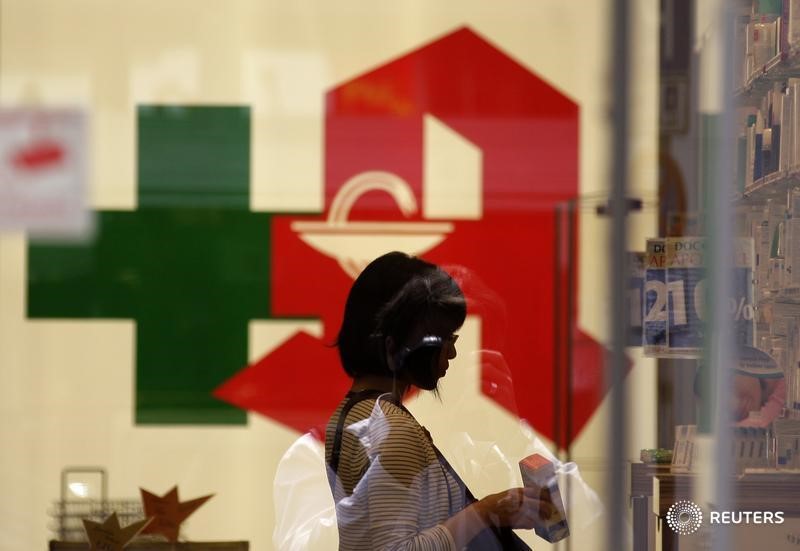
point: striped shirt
(392, 491)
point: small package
(538, 472)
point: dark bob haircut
(393, 295)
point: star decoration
(168, 512)
(109, 536)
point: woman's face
(426, 365)
(447, 353)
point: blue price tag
(674, 296)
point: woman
(392, 487)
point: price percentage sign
(741, 310)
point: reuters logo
(685, 517)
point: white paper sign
(43, 171)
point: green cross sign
(190, 266)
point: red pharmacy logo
(457, 152)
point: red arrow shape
(299, 384)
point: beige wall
(66, 387)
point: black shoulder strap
(352, 399)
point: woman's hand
(516, 508)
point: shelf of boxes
(770, 186)
(767, 188)
(768, 39)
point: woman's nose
(451, 351)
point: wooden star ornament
(109, 536)
(168, 512)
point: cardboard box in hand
(538, 472)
